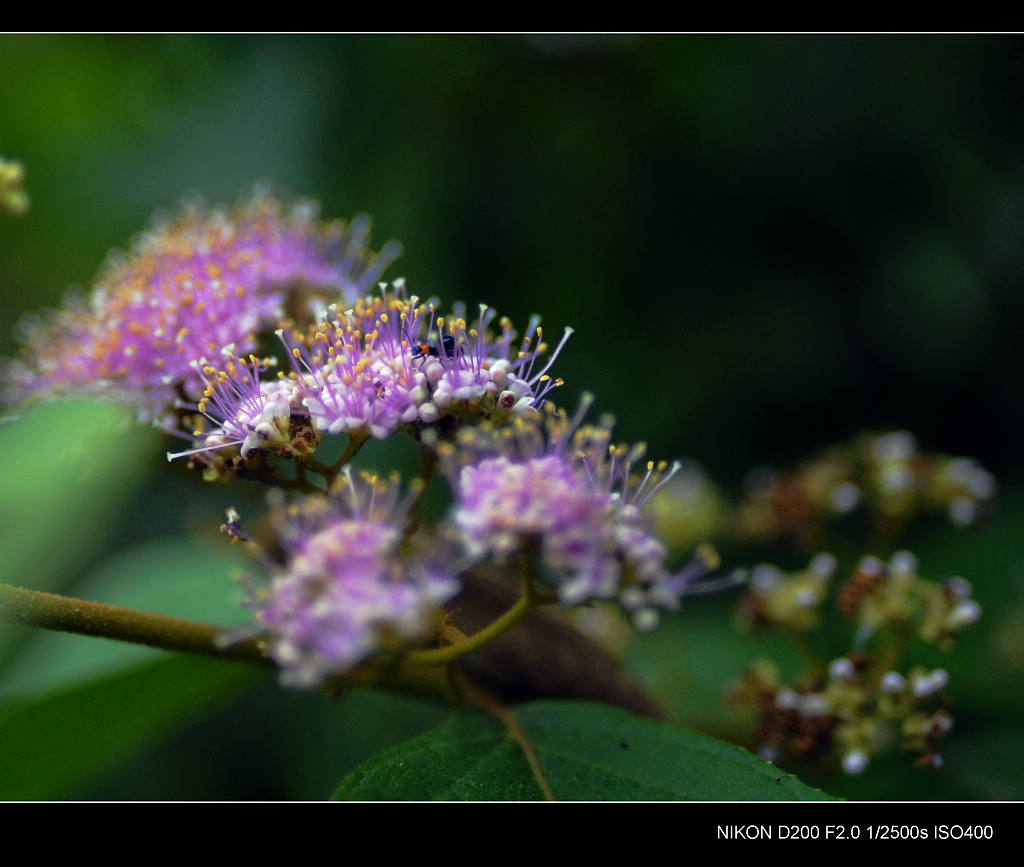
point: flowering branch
(592, 673)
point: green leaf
(179, 576)
(587, 752)
(55, 745)
(66, 469)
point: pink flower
(345, 590)
(565, 491)
(188, 287)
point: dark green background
(765, 243)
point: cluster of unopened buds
(875, 485)
(264, 338)
(849, 713)
(13, 197)
(859, 704)
(886, 477)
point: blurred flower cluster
(860, 703)
(850, 499)
(195, 282)
(13, 197)
(879, 483)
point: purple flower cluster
(346, 591)
(374, 369)
(174, 328)
(565, 491)
(258, 415)
(188, 287)
(349, 586)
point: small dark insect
(424, 349)
(434, 350)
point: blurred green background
(765, 244)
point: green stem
(33, 608)
(300, 483)
(442, 655)
(310, 462)
(355, 442)
(529, 600)
(65, 614)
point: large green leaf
(55, 745)
(586, 751)
(179, 576)
(66, 469)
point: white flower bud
(855, 761)
(842, 670)
(823, 565)
(903, 563)
(893, 682)
(963, 614)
